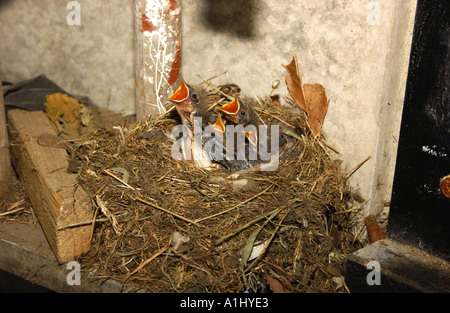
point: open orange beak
(219, 125)
(231, 108)
(181, 94)
(252, 137)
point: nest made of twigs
(167, 226)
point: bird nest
(163, 225)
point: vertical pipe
(158, 54)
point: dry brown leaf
(310, 98)
(294, 84)
(375, 231)
(275, 285)
(52, 141)
(65, 113)
(317, 106)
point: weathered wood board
(25, 253)
(5, 162)
(54, 193)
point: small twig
(214, 77)
(108, 214)
(274, 116)
(353, 170)
(12, 212)
(115, 177)
(16, 204)
(33, 216)
(214, 87)
(162, 177)
(354, 208)
(246, 252)
(92, 226)
(345, 285)
(167, 211)
(140, 199)
(154, 256)
(89, 222)
(331, 147)
(257, 99)
(96, 210)
(358, 232)
(236, 231)
(234, 207)
(259, 102)
(268, 243)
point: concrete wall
(357, 49)
(95, 59)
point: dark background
(420, 213)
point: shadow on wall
(5, 3)
(236, 17)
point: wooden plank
(401, 268)
(54, 193)
(5, 162)
(25, 252)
